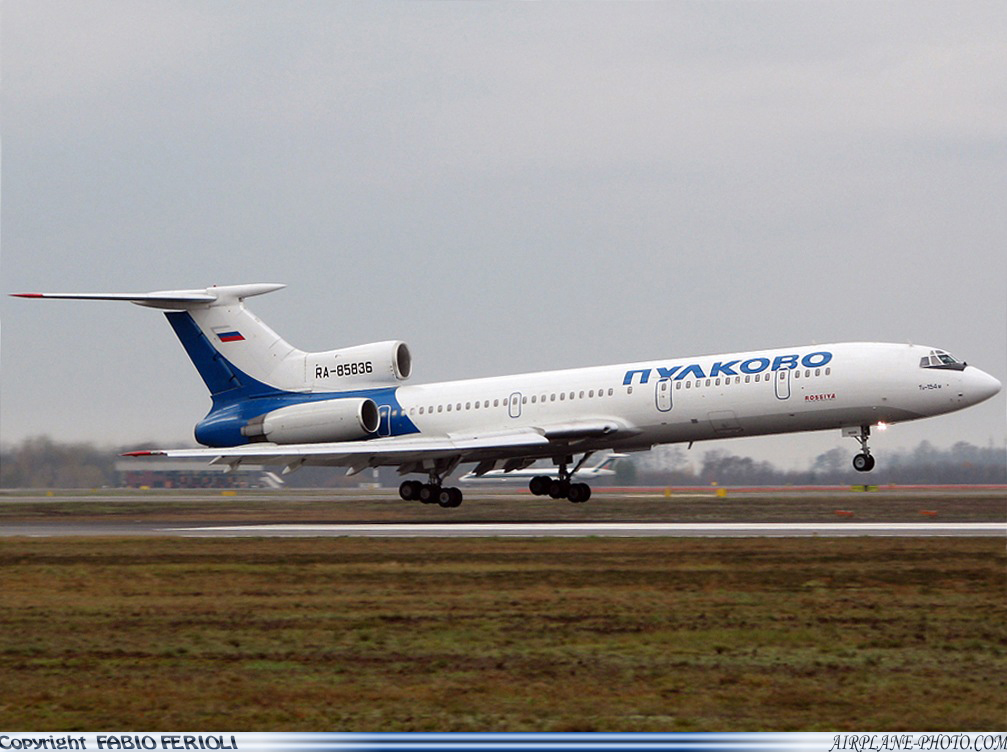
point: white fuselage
(707, 397)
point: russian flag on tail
(230, 336)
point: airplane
(278, 406)
(604, 469)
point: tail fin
(235, 353)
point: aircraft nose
(980, 385)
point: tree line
(962, 463)
(40, 462)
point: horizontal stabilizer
(167, 299)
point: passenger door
(514, 407)
(662, 395)
(783, 383)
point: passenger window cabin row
(593, 394)
(487, 404)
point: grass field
(458, 634)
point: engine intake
(313, 422)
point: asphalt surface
(779, 513)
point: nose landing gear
(863, 462)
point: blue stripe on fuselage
(238, 397)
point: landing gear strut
(863, 462)
(431, 493)
(561, 487)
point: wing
(410, 454)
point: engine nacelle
(376, 364)
(312, 422)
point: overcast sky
(505, 186)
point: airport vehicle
(275, 405)
(537, 477)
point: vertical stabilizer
(242, 344)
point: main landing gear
(561, 487)
(431, 493)
(863, 462)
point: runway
(327, 514)
(609, 530)
(520, 530)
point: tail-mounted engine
(343, 419)
(363, 366)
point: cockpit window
(941, 359)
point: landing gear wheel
(410, 489)
(579, 493)
(428, 493)
(449, 498)
(539, 485)
(863, 463)
(559, 489)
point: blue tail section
(225, 382)
(238, 397)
